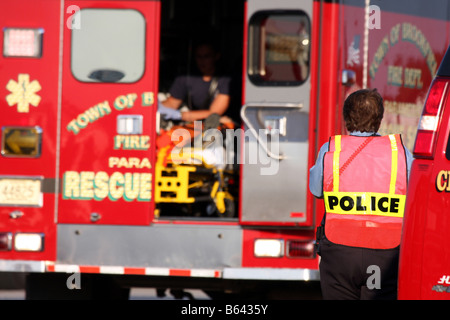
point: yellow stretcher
(184, 179)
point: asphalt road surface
(12, 288)
(135, 294)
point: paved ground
(136, 294)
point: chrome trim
(22, 266)
(253, 130)
(271, 274)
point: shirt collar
(363, 134)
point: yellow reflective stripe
(365, 203)
(394, 164)
(337, 151)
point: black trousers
(350, 273)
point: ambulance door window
(279, 46)
(108, 45)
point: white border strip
(227, 273)
(271, 274)
(149, 271)
(22, 266)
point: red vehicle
(87, 192)
(424, 255)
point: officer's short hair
(363, 111)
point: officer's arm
(316, 174)
(219, 106)
(172, 102)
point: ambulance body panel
(424, 253)
(79, 87)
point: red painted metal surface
(44, 72)
(425, 253)
(92, 148)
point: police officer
(362, 178)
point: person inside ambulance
(362, 178)
(205, 92)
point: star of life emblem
(23, 93)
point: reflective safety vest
(365, 181)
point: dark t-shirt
(194, 89)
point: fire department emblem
(23, 93)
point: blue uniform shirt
(316, 171)
(198, 89)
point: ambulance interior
(184, 22)
(197, 189)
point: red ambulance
(424, 255)
(84, 185)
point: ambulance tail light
(29, 242)
(430, 120)
(300, 249)
(5, 241)
(21, 42)
(269, 248)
